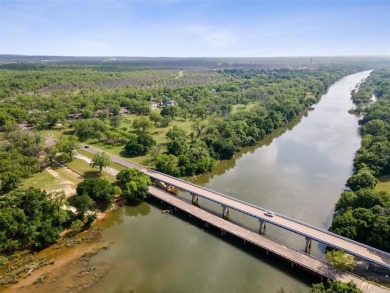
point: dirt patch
(73, 173)
(70, 271)
(67, 186)
(52, 173)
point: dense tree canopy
(363, 214)
(335, 287)
(134, 184)
(30, 217)
(94, 190)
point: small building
(123, 110)
(170, 103)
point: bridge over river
(310, 232)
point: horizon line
(189, 57)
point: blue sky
(198, 28)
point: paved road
(355, 248)
(294, 256)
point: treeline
(20, 151)
(362, 213)
(276, 97)
(279, 97)
(46, 78)
(30, 217)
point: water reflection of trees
(226, 165)
(133, 209)
(136, 209)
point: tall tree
(100, 160)
(142, 124)
(134, 184)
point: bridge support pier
(195, 198)
(308, 245)
(225, 211)
(262, 226)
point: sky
(195, 28)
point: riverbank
(66, 267)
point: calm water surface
(299, 171)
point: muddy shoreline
(66, 266)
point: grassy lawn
(112, 164)
(157, 133)
(383, 184)
(55, 132)
(241, 107)
(53, 180)
(42, 180)
(83, 168)
(63, 179)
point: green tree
(170, 111)
(138, 145)
(142, 124)
(175, 133)
(363, 179)
(335, 287)
(177, 147)
(168, 164)
(198, 126)
(146, 140)
(100, 160)
(77, 225)
(340, 260)
(115, 121)
(155, 117)
(133, 183)
(98, 189)
(375, 127)
(83, 203)
(225, 148)
(51, 152)
(66, 145)
(30, 217)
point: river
(299, 171)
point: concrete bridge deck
(310, 232)
(355, 248)
(296, 257)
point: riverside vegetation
(363, 211)
(214, 114)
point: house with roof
(170, 103)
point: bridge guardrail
(280, 215)
(263, 210)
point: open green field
(158, 134)
(54, 180)
(65, 179)
(83, 168)
(112, 164)
(241, 107)
(383, 184)
(54, 132)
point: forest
(180, 117)
(363, 211)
